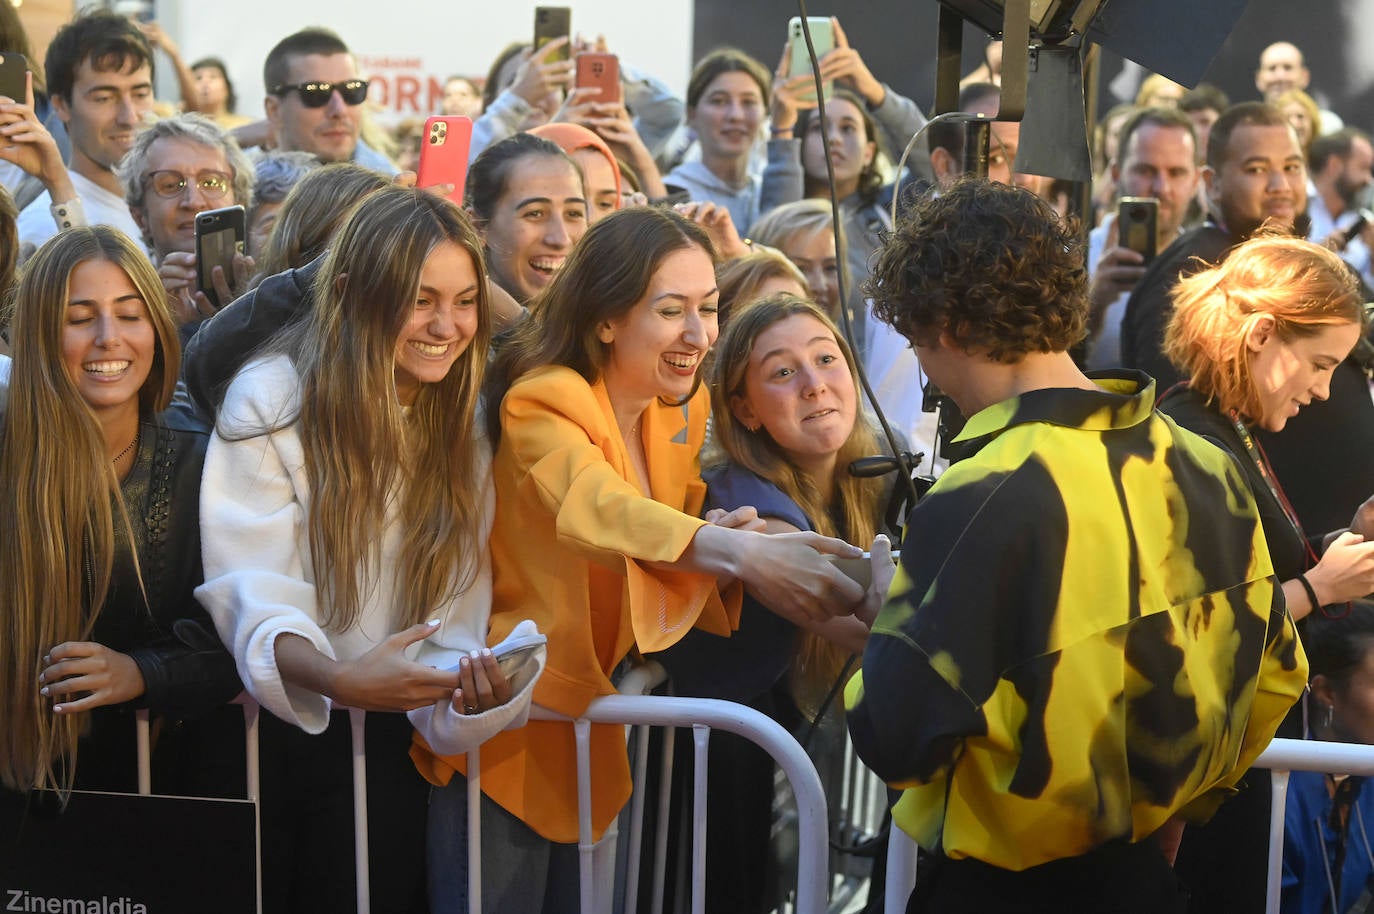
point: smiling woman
(784, 397)
(103, 489)
(600, 415)
(529, 203)
(348, 503)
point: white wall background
(403, 44)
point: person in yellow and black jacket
(1085, 644)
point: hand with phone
(444, 144)
(482, 685)
(23, 138)
(1116, 273)
(543, 77)
(202, 282)
(612, 122)
(882, 568)
(788, 97)
(846, 68)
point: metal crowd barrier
(1282, 756)
(597, 860)
(1285, 755)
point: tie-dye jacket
(1084, 638)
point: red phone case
(444, 153)
(599, 71)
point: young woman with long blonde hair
(99, 498)
(348, 503)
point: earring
(751, 428)
(1328, 716)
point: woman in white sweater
(346, 506)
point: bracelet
(777, 132)
(1311, 593)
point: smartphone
(444, 153)
(1365, 217)
(552, 22)
(219, 236)
(519, 658)
(822, 36)
(600, 72)
(860, 570)
(1137, 219)
(12, 70)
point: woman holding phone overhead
(347, 504)
(99, 494)
(601, 415)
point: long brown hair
(844, 506)
(311, 214)
(362, 453)
(59, 496)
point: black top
(1151, 303)
(1286, 548)
(1322, 457)
(186, 669)
(226, 342)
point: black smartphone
(219, 236)
(12, 70)
(552, 22)
(1365, 217)
(1137, 222)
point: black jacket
(226, 342)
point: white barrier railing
(597, 859)
(251, 711)
(1282, 756)
(1285, 755)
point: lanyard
(1256, 452)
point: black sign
(112, 853)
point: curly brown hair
(991, 266)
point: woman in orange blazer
(597, 539)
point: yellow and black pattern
(1084, 637)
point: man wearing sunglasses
(314, 99)
(179, 167)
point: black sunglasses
(317, 95)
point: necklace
(127, 448)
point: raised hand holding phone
(444, 146)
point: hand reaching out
(744, 518)
(884, 570)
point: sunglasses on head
(317, 94)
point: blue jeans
(521, 871)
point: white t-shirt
(36, 224)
